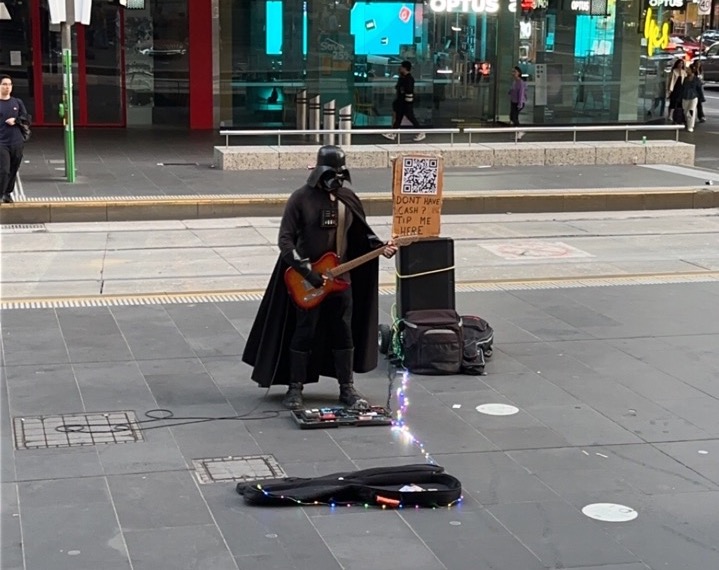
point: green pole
(69, 121)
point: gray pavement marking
(534, 249)
(684, 171)
(467, 287)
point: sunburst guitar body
(305, 296)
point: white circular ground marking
(703, 452)
(610, 512)
(73, 552)
(455, 523)
(497, 409)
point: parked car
(159, 47)
(710, 62)
(686, 44)
(709, 37)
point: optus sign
(478, 6)
(657, 36)
(669, 4)
(467, 6)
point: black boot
(299, 362)
(7, 199)
(349, 396)
(293, 397)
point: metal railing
(573, 129)
(279, 133)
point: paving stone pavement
(616, 388)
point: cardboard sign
(417, 195)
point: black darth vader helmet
(330, 165)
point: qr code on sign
(420, 175)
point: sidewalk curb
(496, 202)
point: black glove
(297, 262)
(315, 279)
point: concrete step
(378, 204)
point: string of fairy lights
(399, 423)
(383, 503)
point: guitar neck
(350, 265)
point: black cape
(268, 345)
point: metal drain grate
(247, 468)
(74, 430)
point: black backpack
(420, 485)
(432, 341)
(478, 337)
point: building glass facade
(241, 63)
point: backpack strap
(22, 110)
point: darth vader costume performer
(292, 346)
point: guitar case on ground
(420, 485)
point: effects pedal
(324, 418)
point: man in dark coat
(403, 105)
(292, 346)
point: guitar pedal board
(324, 418)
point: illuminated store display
(585, 61)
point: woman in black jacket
(674, 91)
(692, 95)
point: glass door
(101, 60)
(98, 59)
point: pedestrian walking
(692, 95)
(517, 98)
(660, 100)
(699, 72)
(674, 91)
(403, 105)
(12, 114)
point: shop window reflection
(157, 64)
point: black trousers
(10, 161)
(514, 114)
(336, 311)
(404, 110)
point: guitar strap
(340, 237)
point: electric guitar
(305, 296)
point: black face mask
(332, 182)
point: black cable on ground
(163, 415)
